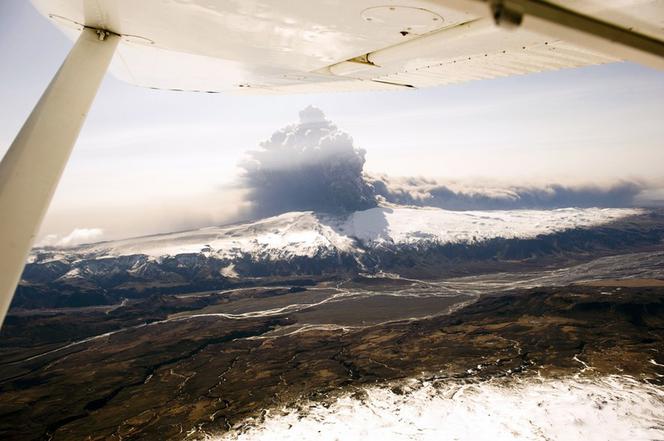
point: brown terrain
(165, 370)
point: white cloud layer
(76, 237)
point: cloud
(456, 196)
(311, 165)
(76, 237)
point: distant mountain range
(410, 241)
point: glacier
(307, 233)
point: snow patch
(411, 225)
(591, 409)
(229, 271)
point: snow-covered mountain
(308, 234)
(399, 239)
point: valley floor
(253, 360)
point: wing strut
(31, 168)
(548, 18)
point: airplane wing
(294, 46)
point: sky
(149, 161)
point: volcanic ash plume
(311, 165)
(451, 196)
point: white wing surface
(293, 46)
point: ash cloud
(454, 196)
(310, 165)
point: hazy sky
(150, 161)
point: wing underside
(298, 46)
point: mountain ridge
(411, 241)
